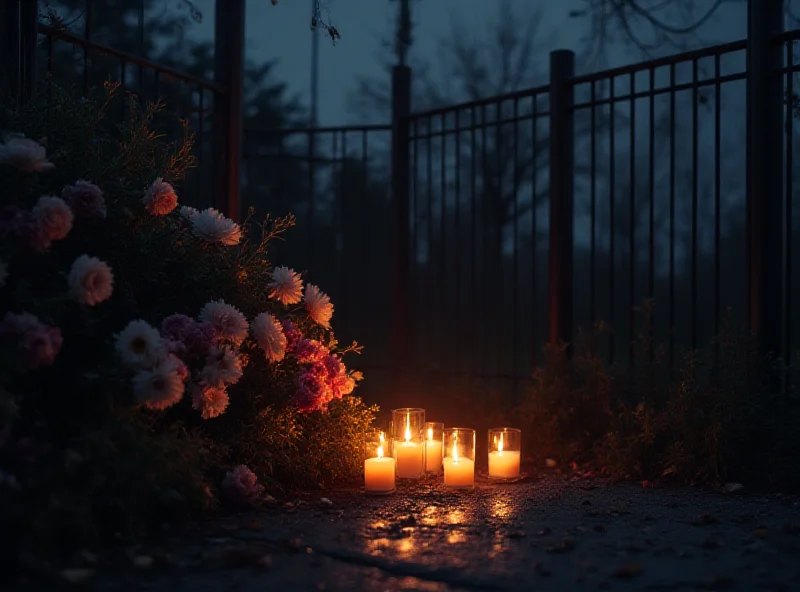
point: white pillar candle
(410, 460)
(433, 453)
(379, 473)
(504, 465)
(459, 472)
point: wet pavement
(549, 534)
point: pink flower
(333, 366)
(292, 333)
(223, 368)
(313, 392)
(86, 199)
(175, 326)
(180, 368)
(41, 345)
(52, 217)
(229, 323)
(161, 386)
(343, 385)
(90, 280)
(194, 338)
(211, 401)
(16, 324)
(241, 486)
(310, 351)
(160, 198)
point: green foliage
(719, 416)
(80, 463)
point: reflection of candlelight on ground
(456, 517)
(406, 545)
(456, 537)
(500, 509)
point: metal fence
(518, 220)
(66, 57)
(460, 240)
(36, 57)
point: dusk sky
(282, 32)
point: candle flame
(430, 433)
(408, 427)
(455, 447)
(500, 444)
(380, 446)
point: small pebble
(142, 562)
(77, 575)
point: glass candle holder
(408, 426)
(505, 446)
(434, 433)
(459, 458)
(379, 463)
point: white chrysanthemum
(319, 306)
(268, 333)
(211, 226)
(188, 212)
(90, 280)
(24, 154)
(223, 367)
(228, 322)
(160, 387)
(140, 345)
(3, 274)
(286, 286)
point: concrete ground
(549, 534)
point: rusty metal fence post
(562, 171)
(765, 110)
(19, 21)
(228, 108)
(402, 328)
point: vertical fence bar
(88, 18)
(764, 173)
(402, 331)
(229, 73)
(695, 198)
(788, 212)
(562, 164)
(29, 28)
(19, 20)
(10, 47)
(632, 223)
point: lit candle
(503, 464)
(458, 472)
(433, 453)
(410, 456)
(379, 472)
